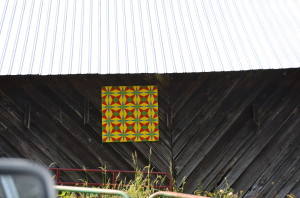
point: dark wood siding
(242, 126)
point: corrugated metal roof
(142, 36)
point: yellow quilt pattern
(129, 113)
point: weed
(142, 185)
(227, 192)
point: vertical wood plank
(86, 111)
(27, 116)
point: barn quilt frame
(129, 113)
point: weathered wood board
(242, 126)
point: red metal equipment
(114, 174)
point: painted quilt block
(129, 113)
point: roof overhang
(48, 37)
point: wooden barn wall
(242, 126)
(57, 119)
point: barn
(226, 77)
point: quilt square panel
(129, 113)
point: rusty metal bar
(174, 194)
(114, 178)
(171, 181)
(113, 172)
(104, 184)
(57, 176)
(92, 190)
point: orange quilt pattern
(129, 113)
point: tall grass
(143, 182)
(140, 186)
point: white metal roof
(147, 36)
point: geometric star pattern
(129, 113)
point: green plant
(227, 192)
(141, 186)
(176, 187)
(222, 193)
